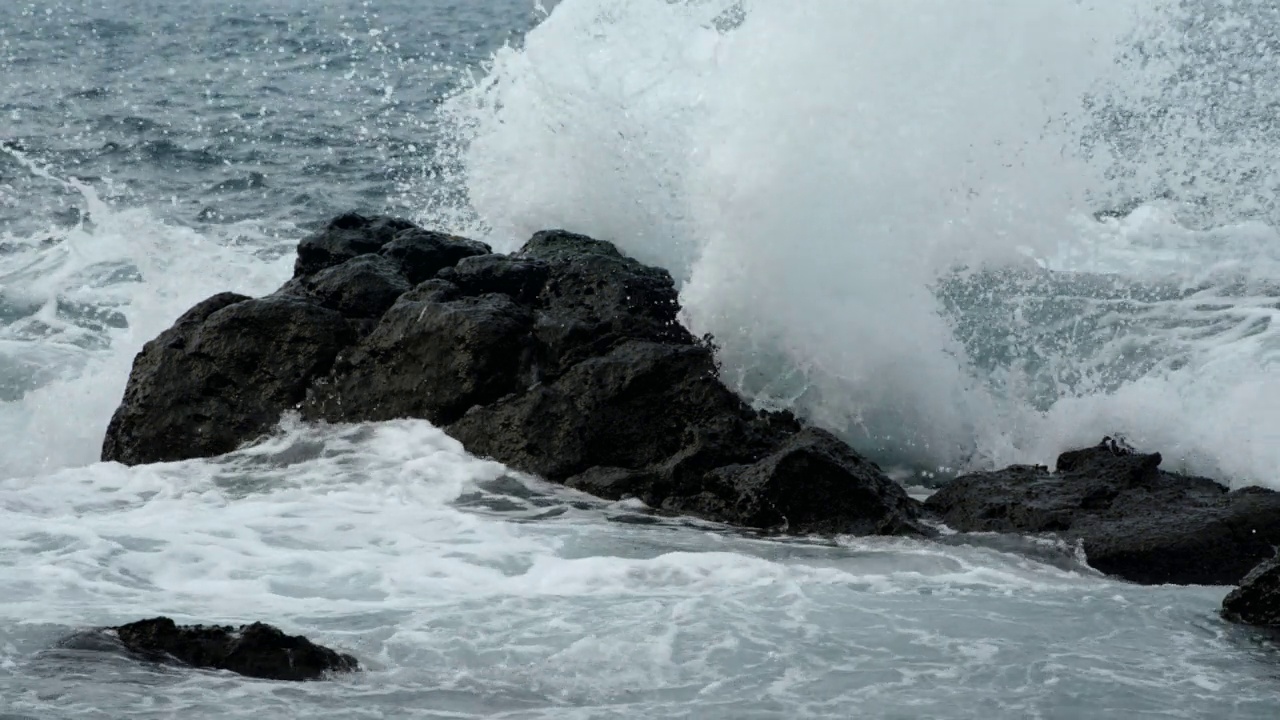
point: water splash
(78, 302)
(815, 174)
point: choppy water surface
(962, 234)
(470, 594)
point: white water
(808, 176)
(810, 173)
(463, 601)
(119, 261)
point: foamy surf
(81, 301)
(361, 535)
(815, 174)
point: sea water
(959, 234)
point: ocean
(960, 235)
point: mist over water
(815, 176)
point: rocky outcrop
(1257, 600)
(430, 358)
(256, 650)
(222, 374)
(565, 359)
(1134, 520)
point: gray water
(157, 152)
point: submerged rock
(256, 650)
(1257, 600)
(566, 360)
(1134, 520)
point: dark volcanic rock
(222, 375)
(345, 237)
(422, 253)
(595, 298)
(418, 254)
(1135, 521)
(1257, 600)
(521, 279)
(565, 359)
(431, 360)
(805, 484)
(811, 483)
(362, 288)
(629, 408)
(256, 650)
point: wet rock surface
(1134, 520)
(1257, 600)
(257, 650)
(223, 373)
(565, 359)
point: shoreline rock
(222, 373)
(1135, 521)
(257, 650)
(566, 360)
(1257, 600)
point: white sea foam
(362, 538)
(102, 289)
